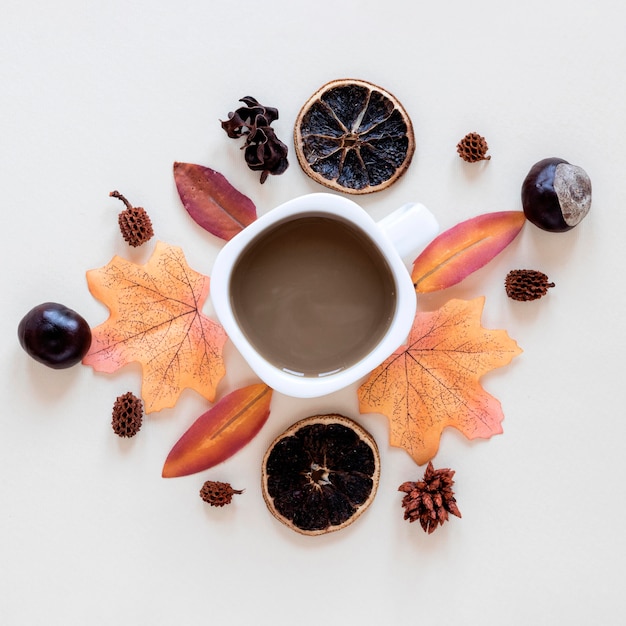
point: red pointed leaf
(212, 201)
(220, 432)
(464, 248)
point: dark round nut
(54, 335)
(556, 195)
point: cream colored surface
(102, 96)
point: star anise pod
(431, 499)
(264, 152)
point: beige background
(96, 96)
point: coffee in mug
(313, 294)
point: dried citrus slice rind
(320, 474)
(354, 136)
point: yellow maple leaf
(156, 320)
(433, 381)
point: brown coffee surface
(313, 295)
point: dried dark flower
(127, 415)
(473, 148)
(431, 499)
(135, 223)
(264, 152)
(217, 493)
(524, 285)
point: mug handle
(410, 228)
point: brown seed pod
(525, 285)
(430, 500)
(127, 415)
(473, 148)
(135, 224)
(217, 493)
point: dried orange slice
(353, 136)
(320, 474)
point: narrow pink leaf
(212, 201)
(464, 248)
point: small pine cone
(135, 223)
(473, 148)
(127, 415)
(431, 499)
(136, 226)
(216, 493)
(526, 285)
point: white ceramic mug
(398, 236)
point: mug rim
(320, 204)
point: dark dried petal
(279, 166)
(270, 113)
(264, 152)
(255, 148)
(249, 101)
(234, 126)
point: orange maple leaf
(433, 381)
(155, 319)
